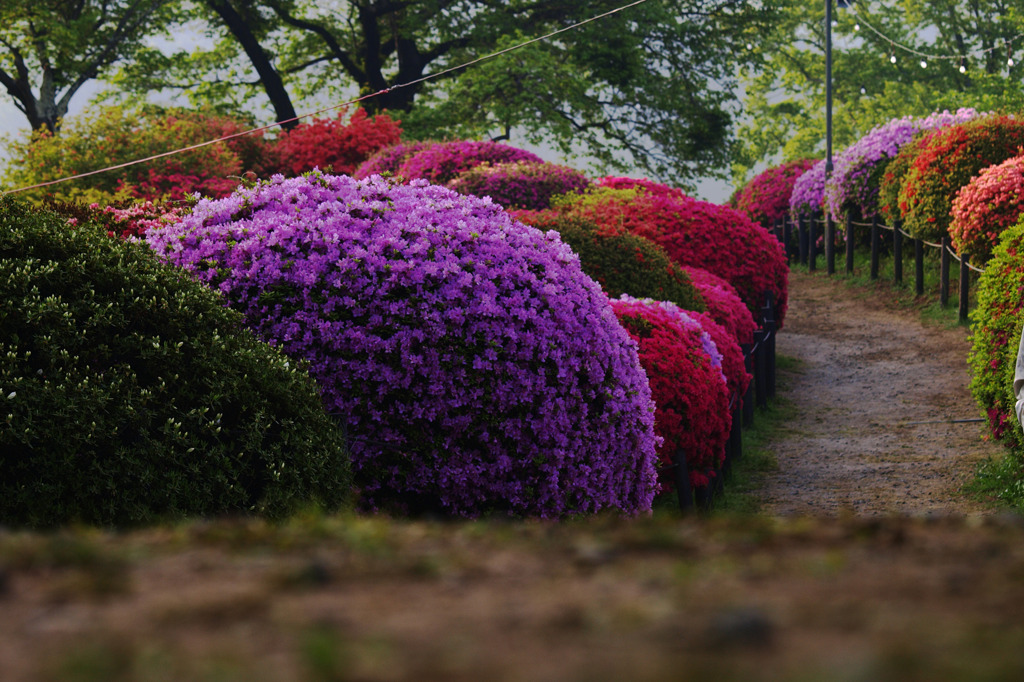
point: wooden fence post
(919, 267)
(812, 246)
(768, 314)
(897, 253)
(682, 480)
(965, 277)
(944, 272)
(736, 431)
(874, 247)
(801, 223)
(830, 244)
(787, 237)
(748, 397)
(849, 244)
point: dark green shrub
(621, 262)
(129, 393)
(995, 331)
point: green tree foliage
(784, 93)
(648, 87)
(49, 49)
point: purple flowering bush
(478, 370)
(521, 184)
(858, 169)
(808, 193)
(441, 162)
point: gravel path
(880, 401)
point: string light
(1008, 44)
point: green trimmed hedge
(130, 394)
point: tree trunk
(269, 77)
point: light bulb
(749, 46)
(963, 69)
(856, 27)
(892, 59)
(924, 64)
(863, 91)
(1009, 62)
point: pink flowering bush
(520, 184)
(765, 198)
(684, 370)
(477, 368)
(135, 220)
(985, 206)
(698, 233)
(388, 160)
(441, 162)
(946, 160)
(723, 304)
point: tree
(49, 49)
(649, 86)
(784, 93)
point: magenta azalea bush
(858, 169)
(441, 162)
(388, 160)
(649, 186)
(521, 184)
(723, 304)
(689, 390)
(478, 370)
(765, 198)
(985, 207)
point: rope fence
(804, 249)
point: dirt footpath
(890, 593)
(885, 419)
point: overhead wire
(356, 100)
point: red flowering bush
(705, 235)
(388, 160)
(691, 405)
(441, 162)
(621, 262)
(946, 160)
(520, 184)
(985, 206)
(334, 144)
(723, 304)
(765, 198)
(995, 331)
